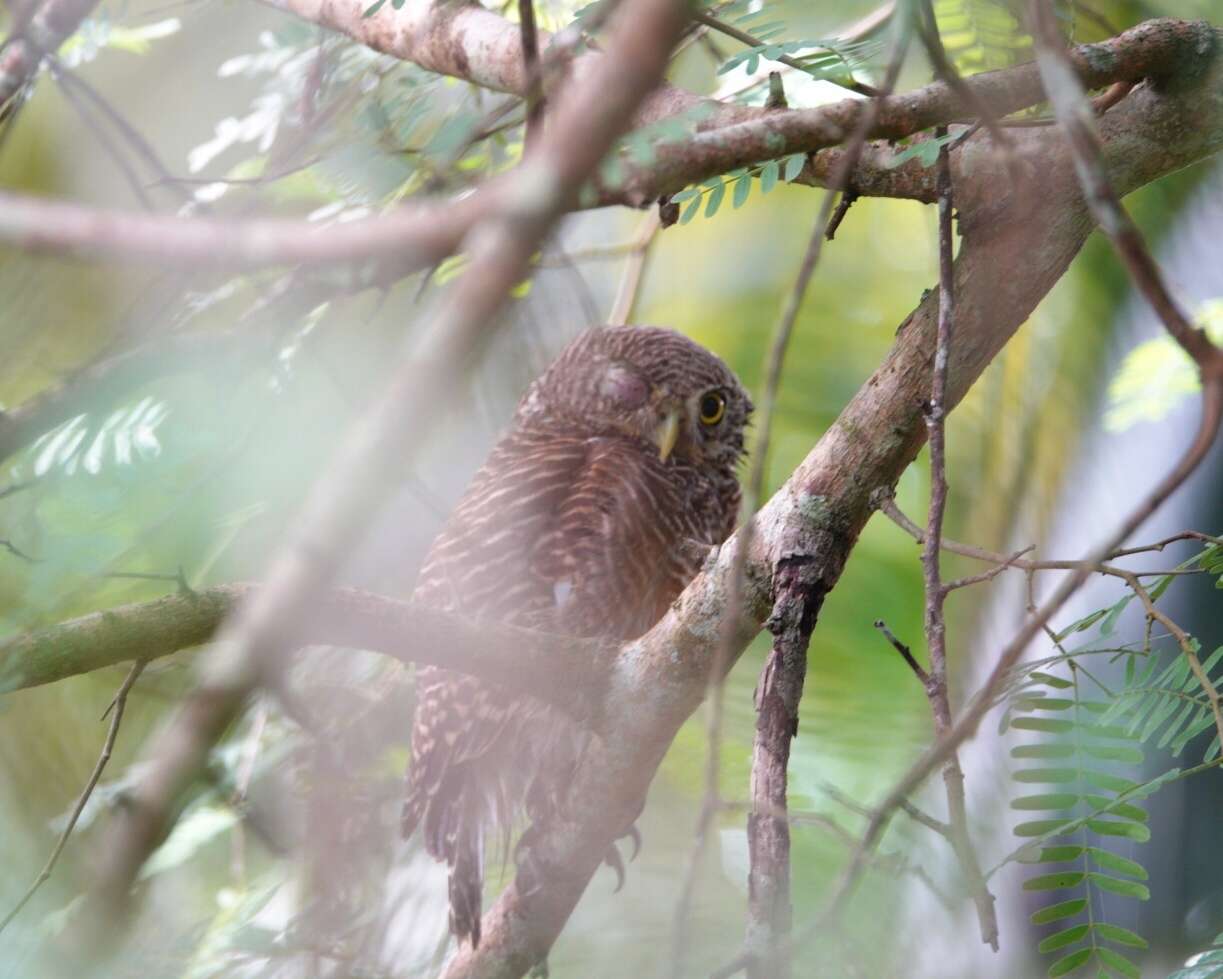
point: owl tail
(452, 812)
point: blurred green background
(201, 469)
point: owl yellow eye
(713, 407)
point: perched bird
(589, 517)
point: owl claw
(613, 859)
(633, 834)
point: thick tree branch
(561, 669)
(419, 235)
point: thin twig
(1187, 649)
(885, 503)
(906, 653)
(936, 594)
(634, 270)
(530, 65)
(907, 807)
(713, 23)
(848, 198)
(118, 704)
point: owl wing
(555, 533)
(558, 533)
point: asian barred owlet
(588, 518)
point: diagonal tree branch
(586, 120)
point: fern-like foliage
(828, 59)
(1167, 704)
(1083, 801)
(980, 35)
(712, 192)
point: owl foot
(613, 859)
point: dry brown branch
(420, 235)
(935, 591)
(116, 718)
(530, 66)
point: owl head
(647, 383)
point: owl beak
(667, 433)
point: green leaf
(1058, 912)
(768, 176)
(1063, 938)
(1046, 801)
(373, 8)
(1110, 620)
(715, 199)
(743, 187)
(1054, 882)
(1109, 827)
(1123, 810)
(1050, 725)
(1067, 964)
(1119, 963)
(1050, 680)
(690, 210)
(1123, 936)
(1110, 731)
(1055, 854)
(1042, 751)
(1082, 625)
(1042, 703)
(1113, 885)
(1039, 827)
(1106, 780)
(1114, 753)
(685, 195)
(1118, 864)
(793, 166)
(1047, 776)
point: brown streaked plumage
(588, 518)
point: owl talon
(633, 834)
(613, 859)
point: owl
(589, 517)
